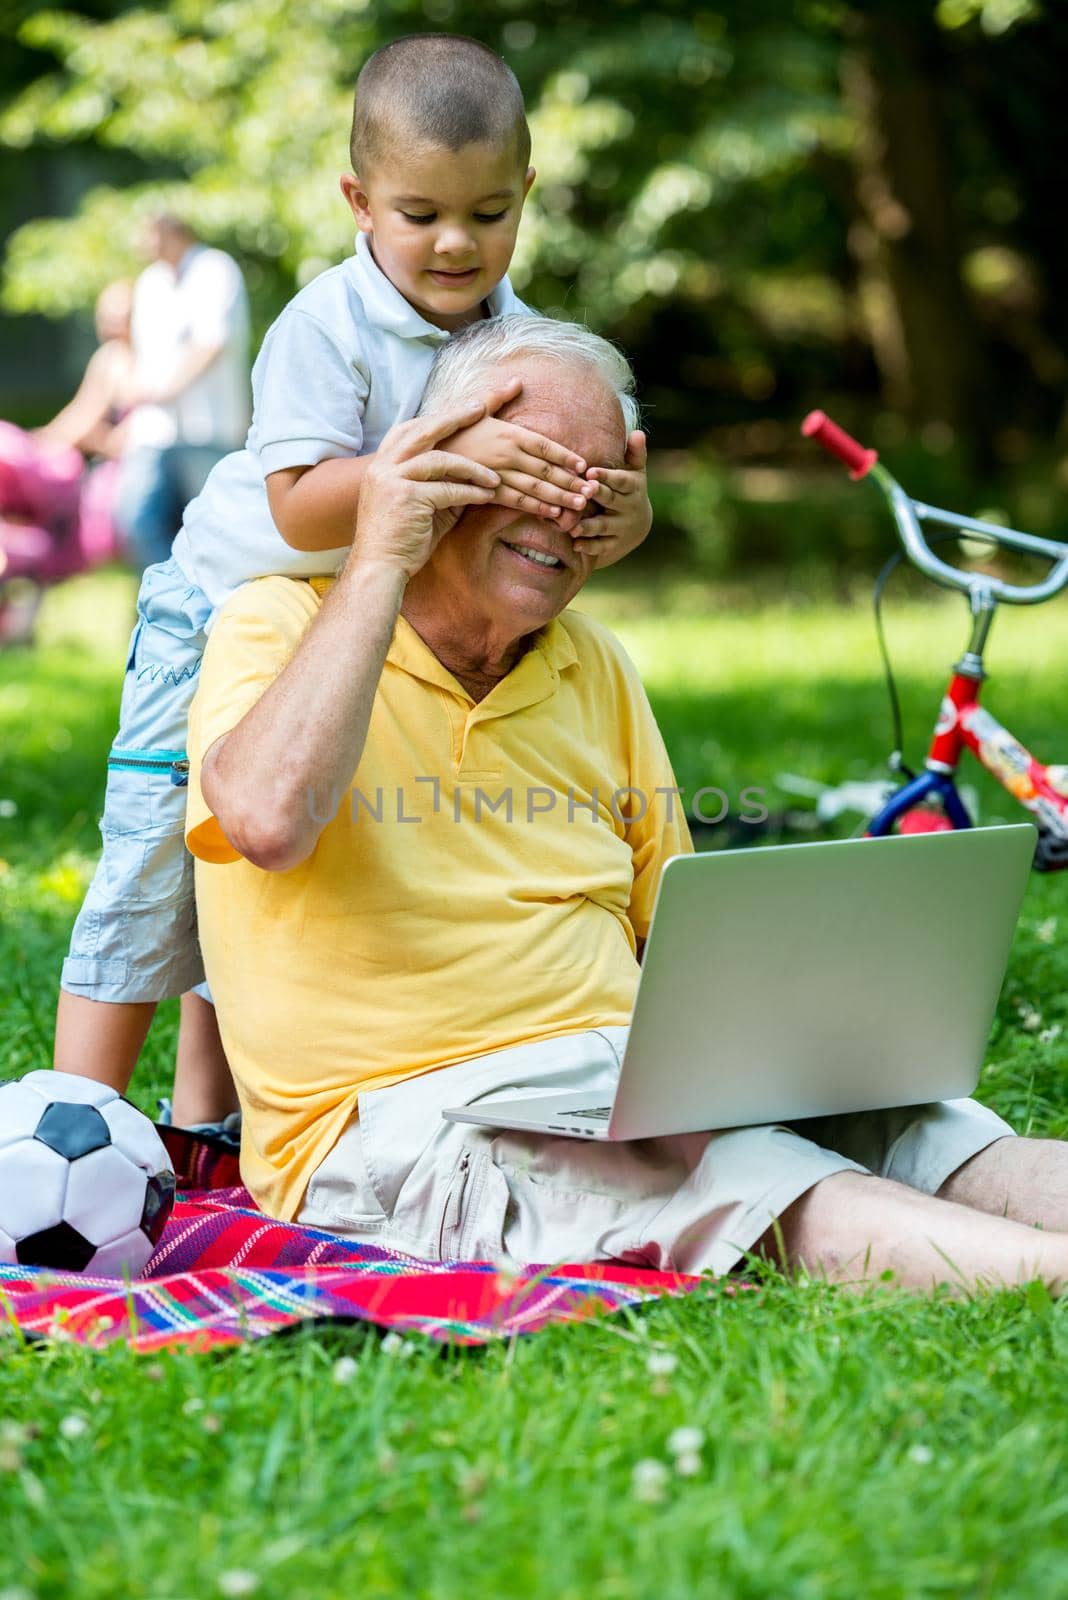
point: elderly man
(415, 891)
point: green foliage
(701, 198)
(651, 129)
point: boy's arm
(314, 508)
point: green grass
(874, 1446)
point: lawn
(876, 1445)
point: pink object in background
(55, 513)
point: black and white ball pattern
(85, 1182)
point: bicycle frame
(963, 724)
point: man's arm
(196, 360)
(269, 779)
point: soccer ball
(85, 1182)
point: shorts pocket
(473, 1216)
(341, 1192)
(148, 869)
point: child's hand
(625, 516)
(537, 475)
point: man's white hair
(466, 366)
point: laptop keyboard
(604, 1112)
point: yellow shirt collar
(552, 648)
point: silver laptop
(799, 980)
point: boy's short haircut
(441, 90)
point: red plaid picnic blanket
(224, 1273)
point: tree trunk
(923, 330)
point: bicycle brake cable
(896, 761)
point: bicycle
(930, 800)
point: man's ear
(528, 181)
(357, 201)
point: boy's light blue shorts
(136, 937)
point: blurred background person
(190, 333)
(58, 483)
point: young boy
(440, 150)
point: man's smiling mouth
(537, 556)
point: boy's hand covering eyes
(620, 515)
(537, 475)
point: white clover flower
(1030, 1019)
(685, 1441)
(33, 1489)
(345, 1369)
(1047, 930)
(661, 1363)
(648, 1481)
(237, 1582)
(74, 1426)
(193, 1404)
(394, 1345)
(688, 1464)
(922, 1454)
(1048, 1035)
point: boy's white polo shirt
(347, 358)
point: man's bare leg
(1025, 1179)
(100, 1039)
(852, 1228)
(203, 1086)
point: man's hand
(412, 493)
(624, 516)
(537, 475)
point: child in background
(440, 149)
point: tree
(708, 192)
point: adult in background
(414, 892)
(190, 342)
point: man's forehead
(572, 407)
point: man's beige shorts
(401, 1177)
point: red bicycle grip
(857, 457)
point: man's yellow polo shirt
(483, 883)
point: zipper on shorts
(454, 1203)
(174, 762)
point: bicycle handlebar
(857, 457)
(909, 514)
